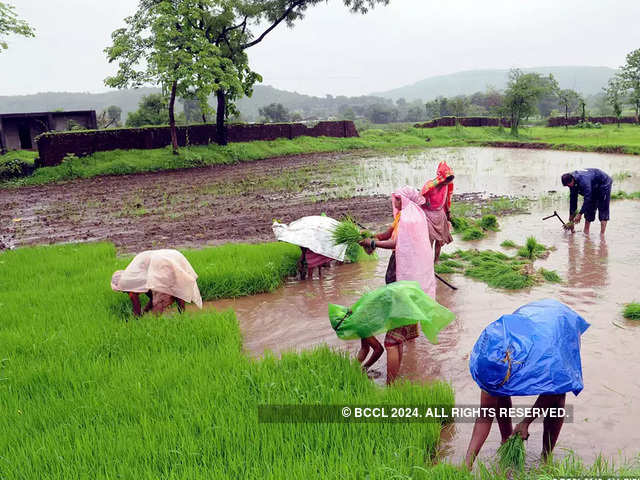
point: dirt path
(184, 208)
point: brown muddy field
(185, 208)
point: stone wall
(561, 121)
(465, 122)
(53, 147)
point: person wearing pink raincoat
(412, 259)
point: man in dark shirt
(595, 186)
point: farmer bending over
(595, 186)
(165, 276)
(534, 351)
(412, 259)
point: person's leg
(378, 350)
(551, 425)
(504, 423)
(603, 226)
(364, 350)
(437, 247)
(587, 227)
(481, 428)
(394, 359)
(603, 209)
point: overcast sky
(333, 51)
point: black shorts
(602, 199)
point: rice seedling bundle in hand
(512, 453)
(348, 232)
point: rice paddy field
(89, 391)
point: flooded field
(599, 276)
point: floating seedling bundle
(512, 453)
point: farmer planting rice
(595, 186)
(313, 234)
(392, 307)
(437, 207)
(412, 259)
(534, 351)
(165, 276)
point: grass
(621, 195)
(498, 269)
(632, 311)
(512, 453)
(84, 394)
(402, 137)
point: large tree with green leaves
(163, 44)
(630, 76)
(10, 24)
(522, 95)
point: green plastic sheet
(394, 305)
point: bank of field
(86, 394)
(609, 138)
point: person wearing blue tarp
(595, 186)
(534, 351)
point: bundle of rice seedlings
(348, 232)
(632, 311)
(509, 244)
(489, 222)
(473, 233)
(460, 224)
(533, 249)
(550, 276)
(512, 453)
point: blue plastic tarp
(534, 351)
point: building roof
(46, 114)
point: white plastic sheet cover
(165, 271)
(313, 232)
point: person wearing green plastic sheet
(387, 308)
(412, 260)
(534, 351)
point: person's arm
(135, 300)
(543, 401)
(573, 202)
(369, 243)
(386, 235)
(447, 211)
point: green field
(395, 138)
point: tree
(163, 45)
(10, 24)
(192, 111)
(569, 100)
(630, 76)
(522, 93)
(152, 110)
(614, 93)
(459, 106)
(237, 25)
(111, 116)
(275, 113)
(382, 113)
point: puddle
(500, 171)
(600, 276)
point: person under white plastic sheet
(165, 276)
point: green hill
(586, 80)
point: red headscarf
(435, 196)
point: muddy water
(500, 171)
(600, 276)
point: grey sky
(332, 51)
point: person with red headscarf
(411, 259)
(437, 207)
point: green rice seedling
(442, 268)
(489, 222)
(632, 311)
(533, 249)
(176, 396)
(460, 224)
(550, 276)
(512, 453)
(621, 195)
(348, 232)
(509, 244)
(473, 233)
(445, 256)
